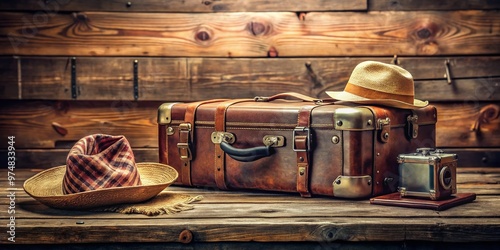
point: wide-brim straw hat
(46, 187)
(378, 83)
(100, 171)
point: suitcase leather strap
(302, 146)
(186, 139)
(220, 126)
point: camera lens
(445, 177)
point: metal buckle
(308, 138)
(185, 128)
(184, 145)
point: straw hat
(380, 84)
(100, 171)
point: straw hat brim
(46, 187)
(348, 97)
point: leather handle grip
(246, 154)
(286, 95)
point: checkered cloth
(100, 161)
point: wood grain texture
(188, 79)
(261, 217)
(481, 157)
(104, 78)
(256, 34)
(460, 90)
(31, 122)
(184, 6)
(9, 79)
(454, 126)
(258, 230)
(405, 5)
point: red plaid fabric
(100, 161)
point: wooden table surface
(250, 219)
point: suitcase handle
(286, 95)
(246, 154)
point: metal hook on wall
(447, 71)
(395, 60)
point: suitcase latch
(384, 126)
(274, 140)
(412, 126)
(218, 137)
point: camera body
(429, 173)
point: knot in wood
(424, 33)
(426, 29)
(272, 52)
(428, 48)
(489, 113)
(80, 17)
(256, 28)
(185, 236)
(202, 36)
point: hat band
(375, 94)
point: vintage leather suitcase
(299, 145)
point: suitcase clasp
(274, 140)
(218, 137)
(412, 126)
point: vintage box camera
(428, 173)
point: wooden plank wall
(193, 50)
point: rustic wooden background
(68, 67)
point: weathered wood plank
(493, 178)
(367, 245)
(215, 207)
(9, 80)
(251, 34)
(455, 121)
(398, 5)
(103, 79)
(478, 157)
(110, 78)
(32, 123)
(194, 6)
(466, 90)
(242, 217)
(478, 170)
(268, 230)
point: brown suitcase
(305, 146)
